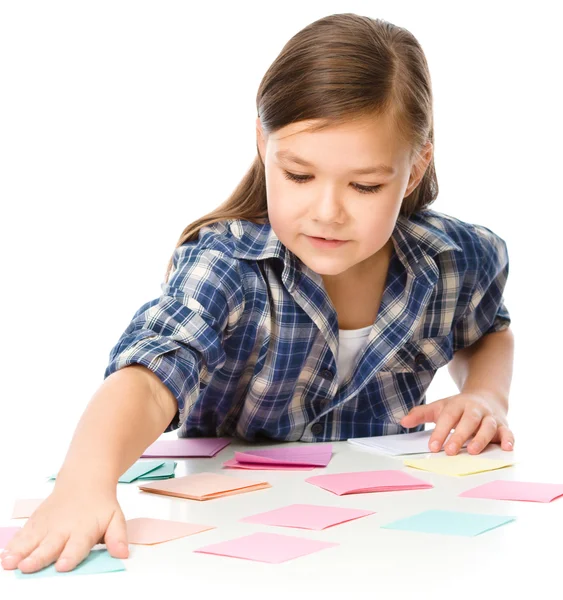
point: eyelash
(362, 189)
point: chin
(324, 267)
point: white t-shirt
(351, 343)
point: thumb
(116, 536)
(420, 414)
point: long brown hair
(338, 68)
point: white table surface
(522, 557)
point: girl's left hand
(470, 414)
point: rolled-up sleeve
(486, 311)
(179, 336)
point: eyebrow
(288, 155)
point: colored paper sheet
(187, 447)
(308, 516)
(98, 561)
(156, 531)
(234, 464)
(203, 486)
(25, 508)
(316, 455)
(368, 481)
(450, 522)
(166, 471)
(139, 469)
(397, 444)
(526, 491)
(266, 547)
(6, 534)
(457, 465)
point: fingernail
(6, 556)
(451, 448)
(476, 447)
(435, 446)
(509, 445)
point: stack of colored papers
(203, 486)
(368, 481)
(187, 447)
(291, 458)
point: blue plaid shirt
(246, 338)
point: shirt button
(316, 429)
(419, 358)
(327, 374)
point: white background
(122, 122)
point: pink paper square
(308, 516)
(317, 455)
(266, 547)
(25, 508)
(360, 482)
(187, 447)
(516, 490)
(156, 531)
(234, 464)
(6, 534)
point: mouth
(326, 242)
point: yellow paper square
(460, 464)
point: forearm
(486, 366)
(127, 413)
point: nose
(327, 208)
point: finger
(484, 435)
(45, 554)
(21, 545)
(421, 414)
(448, 419)
(506, 437)
(469, 423)
(116, 536)
(76, 549)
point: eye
(362, 189)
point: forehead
(361, 140)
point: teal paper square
(98, 561)
(166, 471)
(450, 522)
(140, 469)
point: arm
(128, 412)
(486, 366)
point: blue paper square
(98, 561)
(450, 522)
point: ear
(260, 142)
(419, 167)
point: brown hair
(338, 68)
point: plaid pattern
(245, 336)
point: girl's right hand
(65, 527)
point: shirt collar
(416, 242)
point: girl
(315, 304)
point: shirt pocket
(424, 354)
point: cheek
(377, 223)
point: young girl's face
(327, 199)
